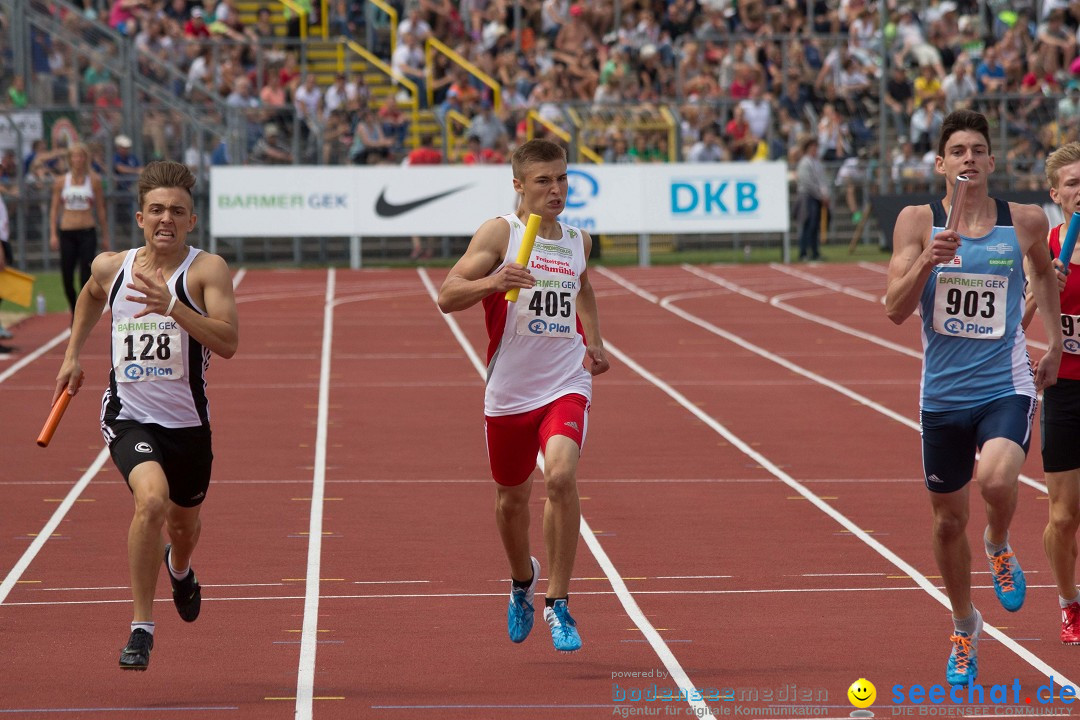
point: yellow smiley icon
(862, 693)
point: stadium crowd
(749, 79)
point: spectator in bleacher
(1054, 43)
(16, 93)
(269, 149)
(959, 87)
(833, 136)
(926, 124)
(408, 62)
(576, 34)
(9, 169)
(370, 145)
(201, 70)
(927, 85)
(990, 75)
(293, 21)
(1068, 108)
(757, 109)
(488, 128)
(618, 150)
(262, 33)
(337, 138)
(910, 173)
(337, 95)
(554, 14)
(122, 11)
(308, 100)
(425, 153)
(414, 24)
(395, 123)
(899, 99)
(126, 166)
(855, 86)
(708, 149)
(741, 142)
(275, 99)
(195, 28)
(476, 154)
(107, 111)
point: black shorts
(8, 257)
(183, 453)
(1061, 426)
(950, 439)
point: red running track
(751, 479)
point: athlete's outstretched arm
(88, 309)
(596, 360)
(469, 280)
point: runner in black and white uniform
(172, 306)
(155, 407)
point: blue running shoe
(519, 616)
(1009, 584)
(963, 666)
(563, 628)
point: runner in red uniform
(542, 353)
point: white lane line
(778, 302)
(305, 676)
(877, 300)
(675, 670)
(69, 501)
(1036, 662)
(668, 304)
(26, 360)
(835, 287)
(50, 527)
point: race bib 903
(147, 348)
(970, 305)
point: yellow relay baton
(525, 250)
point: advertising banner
(282, 201)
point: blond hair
(1064, 155)
(164, 174)
(534, 151)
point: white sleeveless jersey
(536, 345)
(157, 368)
(77, 197)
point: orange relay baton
(53, 420)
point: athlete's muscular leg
(999, 467)
(562, 512)
(951, 548)
(145, 543)
(1059, 537)
(512, 519)
(184, 526)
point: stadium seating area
(619, 81)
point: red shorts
(514, 440)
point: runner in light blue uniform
(978, 387)
(961, 368)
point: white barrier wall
(386, 201)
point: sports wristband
(172, 304)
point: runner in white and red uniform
(542, 353)
(1061, 402)
(172, 306)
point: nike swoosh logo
(384, 208)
